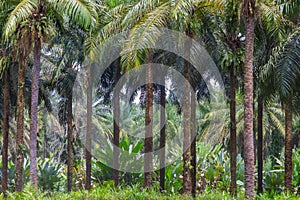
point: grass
(130, 193)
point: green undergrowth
(131, 193)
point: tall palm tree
(35, 93)
(6, 102)
(20, 116)
(282, 73)
(187, 176)
(28, 11)
(230, 44)
(148, 158)
(288, 73)
(288, 146)
(22, 48)
(116, 113)
(249, 13)
(5, 62)
(88, 150)
(111, 23)
(193, 143)
(162, 142)
(70, 135)
(266, 40)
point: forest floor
(107, 193)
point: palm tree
(266, 40)
(282, 73)
(148, 158)
(22, 48)
(288, 73)
(187, 176)
(6, 102)
(88, 154)
(70, 135)
(249, 12)
(20, 116)
(193, 143)
(116, 136)
(27, 11)
(35, 93)
(260, 163)
(288, 162)
(5, 62)
(112, 19)
(231, 43)
(162, 142)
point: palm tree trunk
(187, 180)
(116, 140)
(249, 12)
(20, 123)
(162, 142)
(260, 144)
(232, 131)
(45, 152)
(288, 167)
(148, 158)
(6, 98)
(88, 155)
(34, 110)
(34, 100)
(70, 138)
(193, 143)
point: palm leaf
(137, 11)
(81, 11)
(287, 67)
(21, 12)
(145, 34)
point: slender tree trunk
(6, 99)
(249, 10)
(88, 150)
(260, 144)
(148, 162)
(162, 142)
(70, 139)
(34, 99)
(187, 180)
(34, 110)
(45, 152)
(193, 143)
(20, 123)
(232, 131)
(288, 165)
(116, 140)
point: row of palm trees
(29, 23)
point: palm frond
(281, 72)
(287, 67)
(145, 33)
(20, 13)
(277, 122)
(272, 18)
(81, 11)
(112, 26)
(181, 8)
(137, 12)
